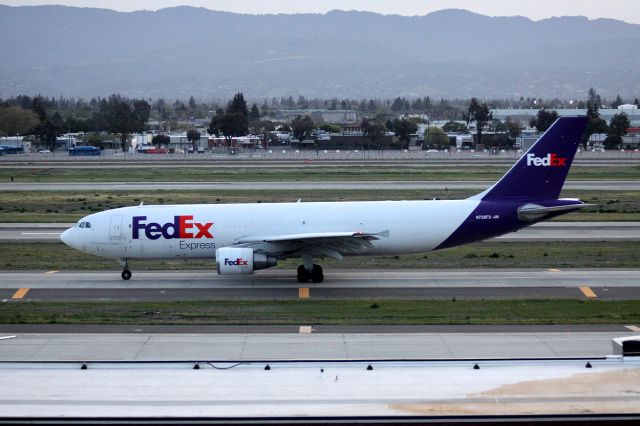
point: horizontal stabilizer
(531, 212)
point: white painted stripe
(7, 337)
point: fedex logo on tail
(551, 160)
(181, 227)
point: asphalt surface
(545, 231)
(283, 156)
(602, 185)
(614, 284)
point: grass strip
(65, 206)
(104, 173)
(547, 254)
(334, 312)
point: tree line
(48, 118)
(39, 116)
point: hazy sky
(626, 10)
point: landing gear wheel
(126, 274)
(303, 275)
(316, 274)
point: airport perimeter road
(545, 231)
(286, 157)
(339, 284)
(602, 185)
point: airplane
(244, 238)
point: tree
(302, 127)
(514, 128)
(615, 104)
(619, 124)
(238, 105)
(49, 130)
(595, 123)
(435, 136)
(159, 140)
(498, 126)
(403, 130)
(612, 142)
(454, 127)
(192, 104)
(373, 129)
(16, 120)
(193, 136)
(124, 119)
(544, 120)
(329, 128)
(254, 115)
(593, 104)
(480, 114)
(232, 122)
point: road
(283, 157)
(585, 185)
(545, 231)
(622, 284)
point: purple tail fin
(541, 172)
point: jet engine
(241, 261)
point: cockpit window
(84, 225)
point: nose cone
(65, 237)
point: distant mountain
(183, 51)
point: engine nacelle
(241, 261)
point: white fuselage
(408, 226)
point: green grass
(66, 206)
(335, 312)
(574, 254)
(104, 173)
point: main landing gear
(126, 273)
(314, 274)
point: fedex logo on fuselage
(236, 262)
(551, 160)
(181, 227)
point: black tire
(303, 275)
(316, 274)
(126, 274)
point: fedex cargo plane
(244, 238)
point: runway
(545, 231)
(584, 185)
(621, 284)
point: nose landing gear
(126, 273)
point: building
(525, 115)
(337, 116)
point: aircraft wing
(321, 244)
